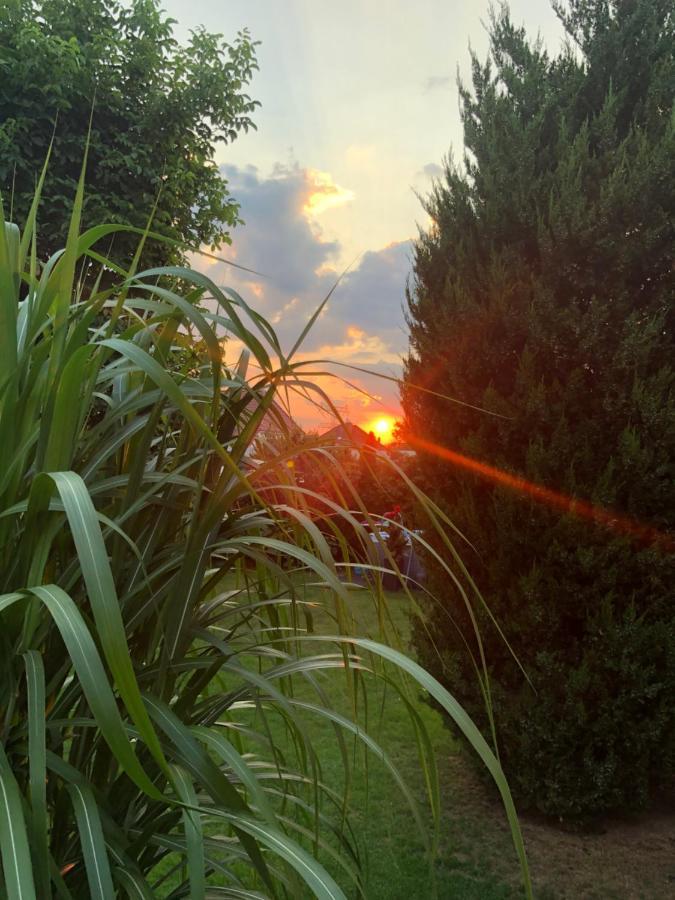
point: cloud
(279, 239)
(431, 170)
(436, 82)
(358, 348)
(324, 193)
(371, 294)
(362, 323)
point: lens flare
(608, 518)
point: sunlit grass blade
(312, 319)
(228, 754)
(238, 328)
(67, 412)
(29, 227)
(312, 873)
(443, 697)
(372, 745)
(166, 383)
(9, 273)
(195, 759)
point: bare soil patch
(626, 859)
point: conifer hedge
(543, 292)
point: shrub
(543, 293)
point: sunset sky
(359, 107)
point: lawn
(475, 859)
(396, 862)
(628, 858)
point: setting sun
(382, 427)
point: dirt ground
(625, 860)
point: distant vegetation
(543, 292)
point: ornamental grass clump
(152, 597)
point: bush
(543, 294)
(592, 731)
(151, 603)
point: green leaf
(195, 759)
(93, 559)
(310, 870)
(9, 248)
(93, 845)
(136, 887)
(37, 767)
(16, 861)
(228, 754)
(194, 835)
(67, 411)
(87, 663)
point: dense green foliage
(543, 291)
(152, 623)
(160, 111)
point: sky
(359, 107)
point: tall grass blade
(313, 873)
(93, 844)
(160, 571)
(95, 686)
(93, 560)
(16, 861)
(443, 697)
(194, 835)
(37, 768)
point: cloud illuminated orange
(324, 193)
(358, 347)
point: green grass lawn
(396, 862)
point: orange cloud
(314, 411)
(323, 193)
(256, 289)
(359, 347)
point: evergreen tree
(543, 292)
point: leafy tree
(160, 111)
(543, 292)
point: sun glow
(382, 427)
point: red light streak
(582, 508)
